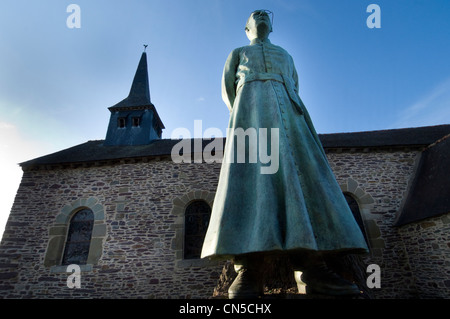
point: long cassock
(300, 206)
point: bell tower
(134, 120)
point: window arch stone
(178, 209)
(354, 207)
(78, 240)
(58, 232)
(365, 202)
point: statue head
(259, 25)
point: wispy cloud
(432, 109)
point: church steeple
(134, 120)
(140, 88)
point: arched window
(354, 207)
(197, 216)
(78, 241)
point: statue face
(258, 25)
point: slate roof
(92, 151)
(416, 136)
(429, 194)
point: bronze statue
(297, 209)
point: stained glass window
(79, 238)
(197, 216)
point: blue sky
(56, 83)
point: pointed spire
(134, 120)
(140, 89)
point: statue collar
(257, 41)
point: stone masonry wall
(427, 243)
(402, 253)
(137, 258)
(139, 219)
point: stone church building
(133, 220)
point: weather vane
(145, 47)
